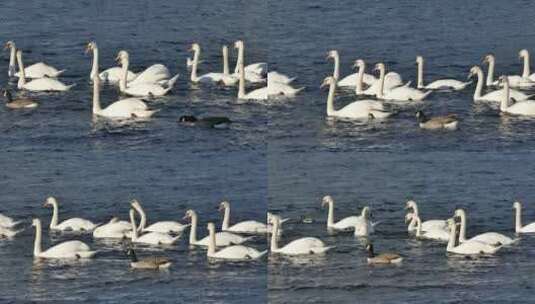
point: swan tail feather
(299, 90)
(408, 83)
(260, 254)
(284, 220)
(172, 81)
(426, 94)
(59, 73)
(70, 86)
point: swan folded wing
(114, 75)
(46, 84)
(248, 227)
(40, 70)
(446, 84)
(69, 249)
(493, 239)
(166, 227)
(152, 74)
(433, 224)
(76, 224)
(522, 108)
(306, 245)
(258, 94)
(146, 89)
(529, 228)
(347, 223)
(238, 252)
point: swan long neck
(420, 75)
(94, 68)
(240, 59)
(518, 219)
(193, 230)
(122, 82)
(330, 215)
(55, 215)
(462, 233)
(336, 71)
(37, 243)
(526, 70)
(453, 235)
(418, 226)
(412, 224)
(241, 84)
(274, 233)
(226, 219)
(96, 95)
(330, 99)
(22, 76)
(360, 79)
(134, 228)
(12, 59)
(479, 85)
(380, 94)
(490, 72)
(211, 242)
(196, 56)
(143, 221)
(505, 99)
(225, 60)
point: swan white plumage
(350, 80)
(151, 82)
(36, 70)
(72, 224)
(302, 246)
(364, 226)
(151, 238)
(121, 109)
(392, 80)
(111, 75)
(274, 76)
(515, 81)
(491, 238)
(223, 238)
(270, 226)
(449, 84)
(253, 73)
(8, 232)
(469, 247)
(347, 223)
(65, 250)
(39, 84)
(494, 96)
(162, 226)
(277, 89)
(258, 94)
(529, 228)
(252, 227)
(232, 253)
(8, 222)
(524, 54)
(360, 109)
(426, 225)
(401, 93)
(523, 107)
(114, 229)
(435, 233)
(209, 77)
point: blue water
(282, 157)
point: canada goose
(155, 263)
(383, 258)
(448, 122)
(19, 103)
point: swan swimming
(36, 70)
(350, 80)
(494, 96)
(162, 227)
(111, 75)
(257, 94)
(72, 224)
(401, 93)
(426, 225)
(491, 238)
(510, 106)
(209, 77)
(515, 81)
(231, 253)
(151, 238)
(347, 223)
(449, 84)
(253, 73)
(251, 227)
(519, 228)
(223, 238)
(39, 84)
(65, 250)
(469, 247)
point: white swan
(401, 93)
(121, 109)
(252, 227)
(162, 227)
(72, 224)
(392, 80)
(274, 76)
(8, 232)
(529, 228)
(448, 84)
(350, 80)
(494, 96)
(467, 248)
(270, 226)
(114, 229)
(491, 238)
(111, 75)
(152, 82)
(515, 81)
(347, 223)
(360, 109)
(8, 222)
(39, 84)
(258, 94)
(222, 238)
(206, 78)
(232, 253)
(65, 250)
(151, 238)
(302, 246)
(524, 54)
(278, 89)
(253, 73)
(364, 226)
(36, 70)
(427, 225)
(523, 107)
(435, 233)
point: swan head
(189, 214)
(332, 54)
(489, 58)
(503, 79)
(195, 47)
(269, 217)
(50, 201)
(135, 203)
(379, 67)
(328, 81)
(523, 53)
(410, 204)
(36, 222)
(122, 56)
(224, 205)
(9, 45)
(211, 227)
(272, 218)
(327, 200)
(366, 212)
(474, 71)
(419, 59)
(451, 223)
(238, 44)
(359, 63)
(517, 205)
(459, 213)
(90, 46)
